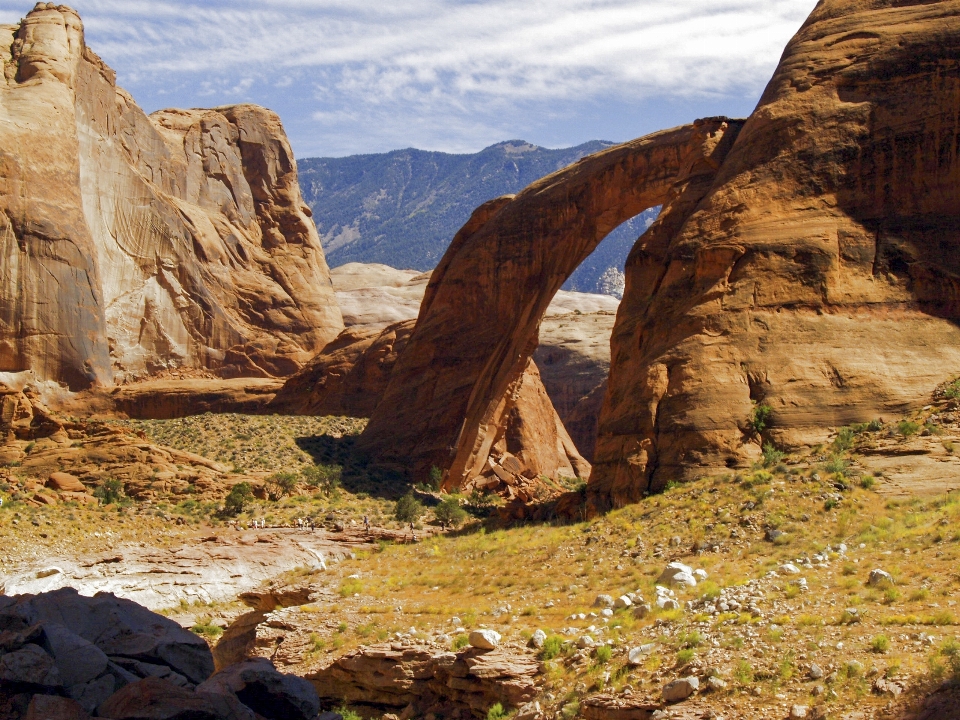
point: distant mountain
(403, 208)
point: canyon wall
(130, 244)
(817, 276)
(806, 266)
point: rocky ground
(781, 609)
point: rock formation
(449, 394)
(130, 244)
(816, 274)
(804, 268)
(63, 655)
(425, 679)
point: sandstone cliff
(806, 261)
(129, 243)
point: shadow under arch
(480, 317)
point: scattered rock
(622, 602)
(879, 577)
(538, 638)
(798, 711)
(883, 686)
(716, 684)
(603, 601)
(680, 689)
(789, 569)
(815, 672)
(635, 655)
(677, 574)
(53, 707)
(65, 482)
(612, 707)
(485, 639)
(270, 694)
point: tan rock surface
(805, 260)
(430, 679)
(130, 244)
(815, 275)
(479, 321)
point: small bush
(281, 484)
(239, 496)
(552, 647)
(408, 508)
(844, 439)
(449, 512)
(326, 478)
(908, 428)
(604, 654)
(760, 418)
(743, 672)
(868, 482)
(685, 656)
(436, 478)
(348, 714)
(110, 491)
(771, 456)
(205, 627)
(496, 712)
(460, 642)
(880, 644)
(952, 390)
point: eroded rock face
(805, 260)
(478, 324)
(130, 244)
(464, 684)
(815, 274)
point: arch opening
(460, 376)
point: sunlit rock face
(130, 244)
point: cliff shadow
(358, 473)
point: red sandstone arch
(478, 325)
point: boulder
(65, 482)
(30, 665)
(538, 639)
(677, 574)
(270, 694)
(484, 639)
(636, 655)
(622, 602)
(680, 689)
(53, 707)
(157, 699)
(879, 577)
(78, 660)
(614, 707)
(603, 601)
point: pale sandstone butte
(450, 392)
(129, 243)
(813, 267)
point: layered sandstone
(451, 391)
(805, 261)
(130, 244)
(817, 274)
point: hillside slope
(402, 208)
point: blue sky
(362, 76)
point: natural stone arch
(450, 391)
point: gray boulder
(157, 699)
(271, 694)
(30, 665)
(680, 689)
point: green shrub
(496, 712)
(908, 428)
(449, 512)
(760, 418)
(552, 647)
(771, 456)
(326, 478)
(238, 497)
(844, 439)
(436, 478)
(348, 714)
(868, 482)
(604, 653)
(743, 672)
(880, 644)
(408, 508)
(952, 390)
(685, 656)
(460, 642)
(109, 491)
(281, 484)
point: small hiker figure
(366, 523)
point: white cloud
(443, 61)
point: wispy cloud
(461, 69)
